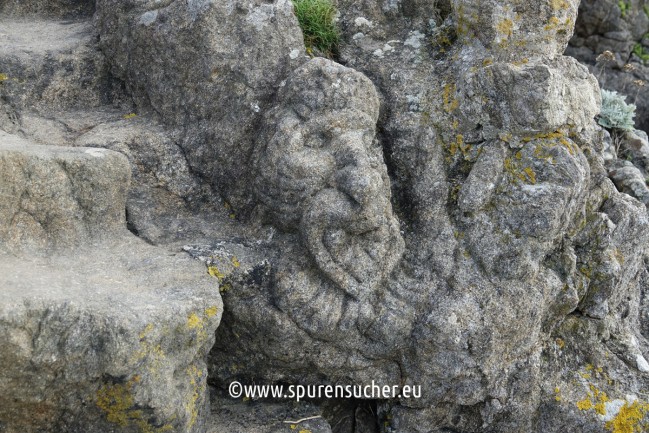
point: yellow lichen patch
(4, 77)
(552, 24)
(567, 144)
(560, 343)
(448, 95)
(153, 353)
(557, 394)
(304, 431)
(521, 62)
(194, 322)
(215, 272)
(197, 389)
(600, 408)
(211, 311)
(505, 28)
(558, 4)
(630, 419)
(540, 136)
(595, 399)
(129, 116)
(146, 331)
(530, 174)
(487, 62)
(235, 262)
(586, 403)
(117, 402)
(459, 141)
(618, 256)
(198, 323)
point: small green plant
(624, 7)
(616, 113)
(316, 18)
(641, 52)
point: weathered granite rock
(105, 339)
(609, 25)
(629, 179)
(320, 172)
(48, 65)
(166, 201)
(437, 212)
(207, 68)
(57, 8)
(618, 27)
(511, 226)
(511, 29)
(59, 197)
(102, 332)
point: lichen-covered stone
(105, 339)
(442, 211)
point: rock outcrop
(436, 207)
(619, 27)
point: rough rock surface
(441, 211)
(59, 197)
(511, 226)
(58, 8)
(105, 339)
(619, 27)
(207, 68)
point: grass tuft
(316, 18)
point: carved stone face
(320, 172)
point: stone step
(59, 197)
(50, 65)
(108, 339)
(50, 8)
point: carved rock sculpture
(320, 172)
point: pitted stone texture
(106, 339)
(49, 8)
(321, 172)
(629, 179)
(207, 68)
(166, 201)
(530, 96)
(59, 197)
(507, 28)
(47, 66)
